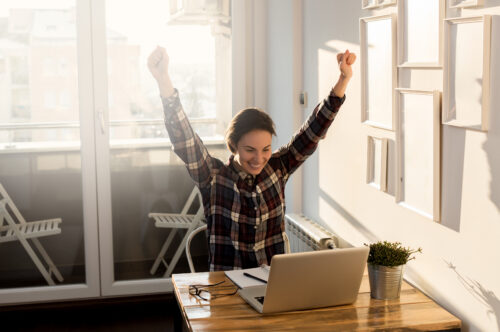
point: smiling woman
(244, 198)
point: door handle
(102, 122)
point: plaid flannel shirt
(244, 214)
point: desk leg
(179, 321)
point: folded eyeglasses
(208, 292)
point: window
(38, 51)
(200, 66)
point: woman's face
(254, 150)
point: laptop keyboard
(260, 299)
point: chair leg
(37, 261)
(48, 261)
(181, 247)
(163, 250)
(30, 251)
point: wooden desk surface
(412, 311)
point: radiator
(306, 235)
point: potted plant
(385, 268)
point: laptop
(309, 280)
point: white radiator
(306, 235)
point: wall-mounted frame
(418, 144)
(466, 80)
(368, 4)
(465, 3)
(420, 32)
(376, 162)
(378, 70)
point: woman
(244, 198)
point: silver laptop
(309, 280)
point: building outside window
(38, 51)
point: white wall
(284, 80)
(460, 265)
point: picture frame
(420, 36)
(465, 3)
(418, 146)
(376, 162)
(466, 81)
(369, 4)
(378, 70)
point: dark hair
(245, 121)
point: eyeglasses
(206, 292)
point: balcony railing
(115, 143)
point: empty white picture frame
(466, 80)
(378, 70)
(368, 4)
(418, 142)
(465, 3)
(376, 170)
(420, 32)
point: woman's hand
(158, 66)
(345, 61)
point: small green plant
(390, 253)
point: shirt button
(255, 226)
(255, 208)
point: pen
(254, 277)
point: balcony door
(82, 138)
(47, 158)
(137, 171)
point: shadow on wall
(347, 216)
(481, 294)
(452, 174)
(492, 144)
(491, 147)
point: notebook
(309, 280)
(249, 277)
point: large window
(197, 38)
(39, 109)
(82, 136)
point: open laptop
(309, 280)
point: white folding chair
(177, 221)
(204, 228)
(13, 227)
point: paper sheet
(243, 281)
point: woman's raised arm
(187, 144)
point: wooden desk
(412, 311)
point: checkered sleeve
(186, 143)
(306, 139)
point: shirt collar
(239, 170)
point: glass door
(138, 173)
(48, 224)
